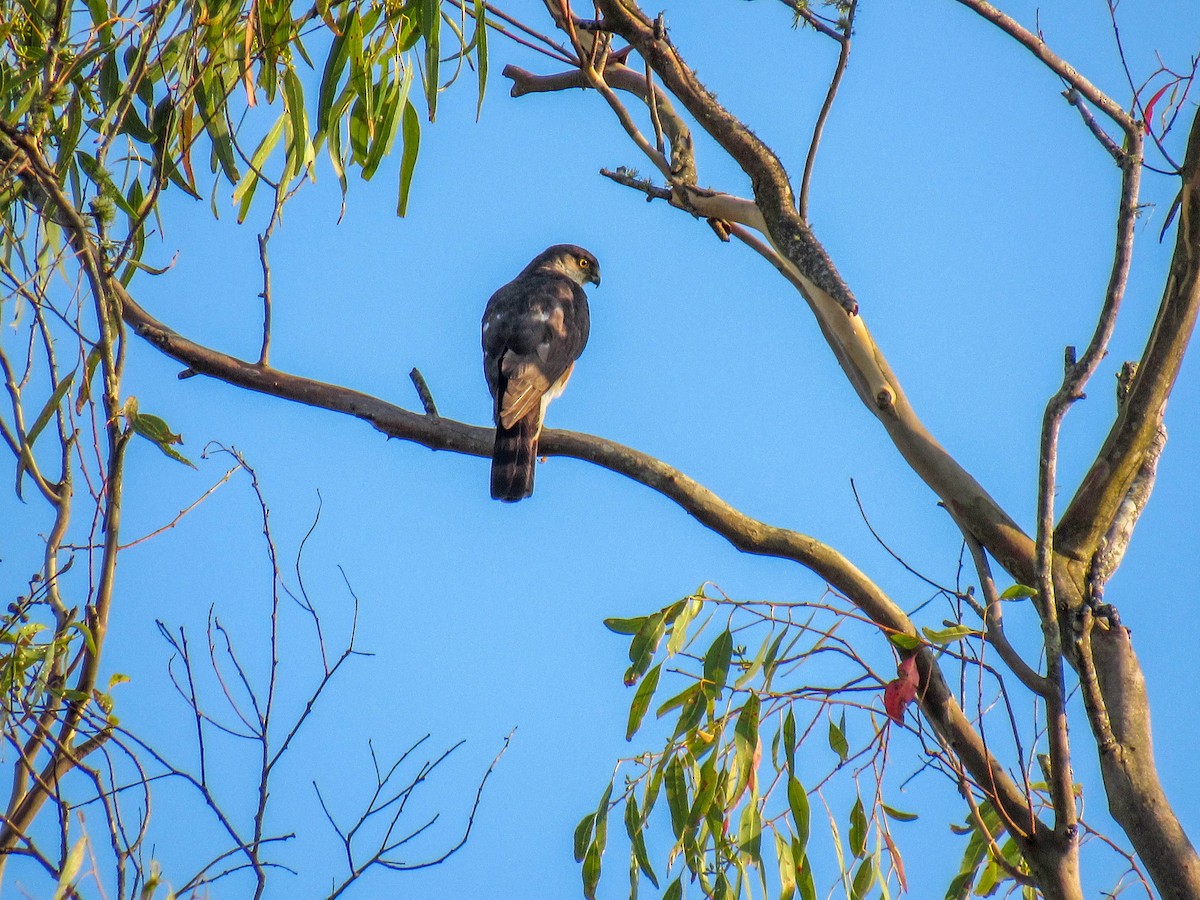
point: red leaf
(1150, 106)
(902, 691)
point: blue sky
(960, 197)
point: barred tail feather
(514, 458)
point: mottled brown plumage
(534, 328)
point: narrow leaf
(583, 836)
(837, 740)
(864, 877)
(48, 410)
(408, 157)
(787, 868)
(625, 626)
(899, 815)
(905, 641)
(858, 829)
(1018, 592)
(798, 803)
(676, 784)
(750, 831)
(591, 872)
(641, 701)
(481, 60)
(679, 626)
(804, 876)
(949, 635)
(716, 663)
(634, 826)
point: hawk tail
(513, 459)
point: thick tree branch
(826, 292)
(1108, 482)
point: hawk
(534, 328)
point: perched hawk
(534, 328)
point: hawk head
(576, 263)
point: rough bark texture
(1135, 795)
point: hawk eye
(584, 262)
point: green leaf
(300, 150)
(641, 701)
(789, 740)
(408, 157)
(745, 738)
(858, 829)
(899, 815)
(643, 646)
(678, 700)
(692, 713)
(960, 886)
(634, 828)
(625, 626)
(949, 635)
(88, 637)
(244, 192)
(798, 803)
(750, 831)
(773, 653)
(583, 836)
(755, 664)
(690, 608)
(864, 877)
(70, 869)
(706, 791)
(804, 875)
(156, 431)
(905, 641)
(210, 99)
(591, 872)
(674, 890)
(431, 23)
(392, 97)
(335, 65)
(837, 739)
(716, 664)
(601, 838)
(975, 853)
(361, 126)
(1018, 592)
(675, 782)
(479, 39)
(787, 868)
(43, 420)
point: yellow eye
(584, 262)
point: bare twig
(423, 392)
(843, 38)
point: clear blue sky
(961, 198)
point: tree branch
(1060, 67)
(745, 533)
(1107, 484)
(828, 295)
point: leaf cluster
(729, 772)
(125, 105)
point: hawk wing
(534, 328)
